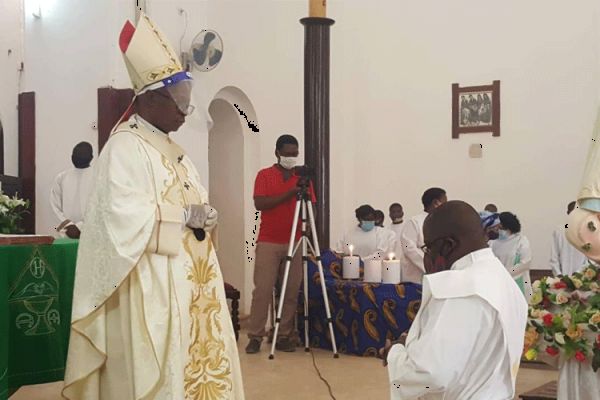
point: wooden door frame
(27, 155)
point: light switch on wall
(476, 151)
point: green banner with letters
(39, 291)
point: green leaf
(569, 283)
(594, 301)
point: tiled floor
(291, 376)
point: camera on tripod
(305, 173)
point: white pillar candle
(351, 267)
(391, 270)
(373, 269)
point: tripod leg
(288, 263)
(317, 251)
(305, 270)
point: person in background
(275, 192)
(379, 218)
(490, 223)
(513, 250)
(368, 240)
(71, 190)
(491, 208)
(564, 258)
(412, 236)
(397, 217)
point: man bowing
(150, 318)
(467, 338)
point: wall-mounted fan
(206, 50)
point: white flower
(561, 298)
(3, 209)
(594, 286)
(536, 285)
(551, 281)
(577, 282)
(560, 338)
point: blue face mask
(502, 234)
(367, 225)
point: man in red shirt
(275, 192)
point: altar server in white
(369, 241)
(564, 258)
(397, 225)
(412, 236)
(71, 190)
(467, 338)
(150, 318)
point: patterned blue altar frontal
(364, 314)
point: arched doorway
(233, 160)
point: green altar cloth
(36, 291)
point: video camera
(305, 173)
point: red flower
(560, 285)
(580, 356)
(548, 319)
(552, 350)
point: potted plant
(12, 210)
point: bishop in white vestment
(150, 318)
(467, 338)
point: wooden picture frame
(476, 109)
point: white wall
(392, 66)
(68, 57)
(11, 24)
(399, 111)
(71, 52)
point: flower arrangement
(564, 318)
(12, 210)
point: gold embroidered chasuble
(150, 318)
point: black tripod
(303, 203)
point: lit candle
(351, 265)
(373, 269)
(391, 270)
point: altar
(36, 287)
(364, 314)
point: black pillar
(316, 115)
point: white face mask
(288, 162)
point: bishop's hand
(201, 216)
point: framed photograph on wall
(476, 109)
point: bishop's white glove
(201, 216)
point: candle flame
(351, 248)
(391, 256)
